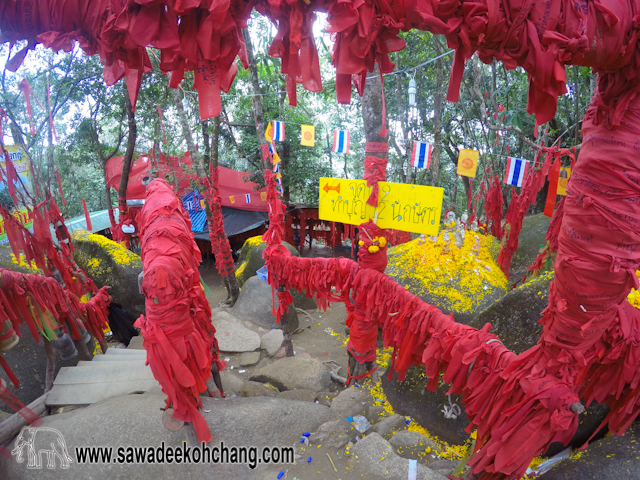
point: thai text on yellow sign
(409, 208)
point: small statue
(474, 226)
(422, 240)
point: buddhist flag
(563, 180)
(268, 135)
(247, 197)
(421, 157)
(341, 141)
(468, 162)
(278, 131)
(308, 136)
(516, 170)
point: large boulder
(251, 261)
(232, 335)
(292, 372)
(109, 263)
(451, 278)
(255, 304)
(514, 318)
(611, 458)
(411, 398)
(251, 258)
(8, 260)
(532, 237)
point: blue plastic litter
(306, 434)
(302, 440)
(280, 475)
(262, 273)
(350, 419)
(309, 460)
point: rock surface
(375, 459)
(255, 304)
(272, 341)
(232, 335)
(514, 318)
(253, 421)
(336, 434)
(411, 398)
(413, 445)
(257, 389)
(532, 235)
(232, 383)
(291, 372)
(388, 426)
(611, 458)
(456, 282)
(249, 359)
(351, 402)
(301, 394)
(109, 263)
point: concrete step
(119, 358)
(130, 363)
(123, 352)
(89, 393)
(102, 374)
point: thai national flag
(421, 157)
(516, 170)
(278, 131)
(341, 141)
(247, 196)
(272, 148)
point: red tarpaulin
(233, 184)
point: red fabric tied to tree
(493, 205)
(25, 88)
(373, 252)
(87, 217)
(375, 170)
(177, 331)
(219, 242)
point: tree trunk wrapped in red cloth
(177, 331)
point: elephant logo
(40, 441)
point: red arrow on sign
(327, 188)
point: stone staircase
(118, 372)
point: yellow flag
(232, 199)
(276, 158)
(308, 135)
(263, 196)
(563, 180)
(268, 134)
(468, 162)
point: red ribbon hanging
(553, 186)
(53, 128)
(87, 217)
(64, 202)
(25, 88)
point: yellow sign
(563, 180)
(409, 208)
(20, 161)
(468, 162)
(308, 135)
